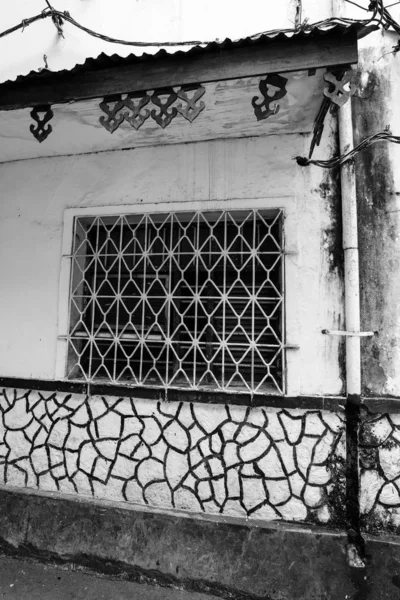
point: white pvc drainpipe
(351, 261)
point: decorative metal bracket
(136, 118)
(136, 114)
(262, 108)
(339, 90)
(113, 120)
(164, 117)
(40, 131)
(191, 110)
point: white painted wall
(35, 193)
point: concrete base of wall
(225, 558)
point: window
(188, 300)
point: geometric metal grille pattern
(188, 300)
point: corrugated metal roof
(331, 26)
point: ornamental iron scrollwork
(340, 86)
(164, 117)
(41, 131)
(113, 120)
(135, 103)
(191, 110)
(262, 108)
(164, 99)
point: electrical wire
(58, 18)
(343, 158)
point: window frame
(286, 205)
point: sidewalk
(23, 580)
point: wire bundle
(343, 158)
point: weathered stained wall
(376, 107)
(259, 463)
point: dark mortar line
(353, 409)
(112, 569)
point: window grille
(183, 300)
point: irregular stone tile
(209, 417)
(271, 465)
(98, 406)
(374, 433)
(216, 466)
(47, 483)
(257, 417)
(274, 426)
(247, 433)
(133, 492)
(205, 447)
(31, 430)
(4, 450)
(40, 460)
(124, 467)
(204, 490)
(184, 499)
(297, 484)
(87, 456)
(231, 507)
(324, 447)
(238, 413)
(370, 485)
(304, 452)
(286, 453)
(253, 492)
(176, 437)
(102, 469)
(109, 426)
(266, 513)
(18, 444)
(18, 417)
(324, 514)
(293, 510)
(123, 407)
(389, 459)
(319, 475)
(59, 472)
(81, 416)
(71, 461)
(16, 477)
(395, 419)
(278, 491)
(389, 495)
(313, 496)
(151, 433)
(149, 470)
(159, 450)
(233, 485)
(176, 468)
(231, 454)
(132, 426)
(82, 483)
(158, 494)
(77, 437)
(216, 444)
(219, 491)
(58, 433)
(107, 448)
(314, 424)
(228, 431)
(196, 434)
(292, 427)
(141, 452)
(56, 457)
(333, 421)
(254, 449)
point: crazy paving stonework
(380, 471)
(248, 462)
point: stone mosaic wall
(380, 471)
(248, 462)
